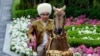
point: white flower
(90, 38)
(85, 38)
(94, 31)
(28, 16)
(34, 53)
(98, 38)
(95, 26)
(87, 27)
(73, 28)
(87, 32)
(13, 48)
(73, 37)
(18, 36)
(79, 32)
(77, 54)
(77, 29)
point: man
(43, 28)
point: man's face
(44, 16)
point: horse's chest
(59, 44)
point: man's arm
(29, 32)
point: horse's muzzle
(58, 31)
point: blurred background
(74, 7)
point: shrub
(17, 12)
(31, 12)
(89, 39)
(76, 42)
(14, 7)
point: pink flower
(79, 50)
(98, 23)
(73, 50)
(33, 44)
(68, 21)
(29, 44)
(92, 21)
(89, 51)
(83, 47)
(95, 55)
(79, 21)
(82, 17)
(98, 50)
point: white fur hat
(44, 7)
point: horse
(58, 45)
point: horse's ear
(54, 8)
(64, 7)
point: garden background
(82, 24)
(74, 7)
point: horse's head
(59, 19)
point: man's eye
(64, 16)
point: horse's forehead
(59, 9)
(59, 14)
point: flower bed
(83, 31)
(19, 38)
(83, 34)
(78, 33)
(82, 50)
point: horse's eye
(64, 16)
(54, 16)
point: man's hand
(32, 39)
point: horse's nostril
(59, 31)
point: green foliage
(57, 3)
(78, 3)
(72, 11)
(17, 11)
(76, 39)
(96, 4)
(83, 35)
(73, 8)
(15, 7)
(89, 12)
(31, 12)
(26, 4)
(76, 42)
(98, 28)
